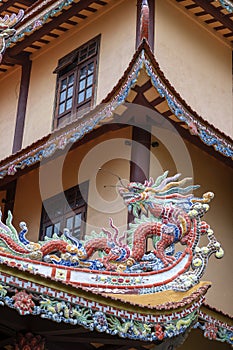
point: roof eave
(73, 132)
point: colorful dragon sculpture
(165, 210)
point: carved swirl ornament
(7, 24)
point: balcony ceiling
(45, 21)
(211, 14)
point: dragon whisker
(110, 172)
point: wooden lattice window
(76, 83)
(65, 210)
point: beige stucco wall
(211, 175)
(117, 40)
(77, 166)
(196, 63)
(9, 92)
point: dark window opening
(65, 210)
(76, 83)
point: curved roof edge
(73, 132)
(42, 11)
(36, 16)
(218, 311)
(215, 326)
(106, 314)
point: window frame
(48, 220)
(72, 64)
(59, 82)
(80, 210)
(87, 62)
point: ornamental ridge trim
(40, 19)
(94, 317)
(7, 24)
(87, 124)
(214, 329)
(164, 210)
(226, 4)
(144, 20)
(32, 299)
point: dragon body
(168, 204)
(164, 210)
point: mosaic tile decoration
(165, 210)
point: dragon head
(136, 197)
(139, 198)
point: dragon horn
(115, 229)
(160, 178)
(108, 233)
(149, 182)
(121, 239)
(4, 227)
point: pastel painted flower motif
(193, 128)
(11, 170)
(210, 331)
(37, 24)
(23, 302)
(62, 142)
(3, 290)
(159, 332)
(100, 321)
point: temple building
(116, 126)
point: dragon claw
(167, 260)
